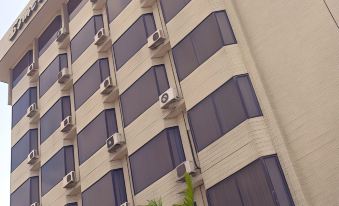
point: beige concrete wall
(290, 50)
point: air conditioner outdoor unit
(187, 166)
(32, 157)
(32, 110)
(61, 35)
(167, 98)
(114, 142)
(100, 37)
(63, 75)
(35, 204)
(69, 180)
(66, 124)
(124, 204)
(156, 39)
(32, 69)
(106, 86)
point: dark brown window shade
(90, 82)
(51, 120)
(94, 135)
(115, 7)
(252, 186)
(108, 191)
(27, 193)
(20, 69)
(171, 8)
(50, 75)
(143, 93)
(205, 40)
(133, 39)
(85, 37)
(53, 171)
(19, 109)
(156, 158)
(49, 35)
(23, 147)
(224, 109)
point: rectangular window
(205, 40)
(85, 37)
(20, 69)
(19, 109)
(133, 39)
(27, 193)
(108, 191)
(252, 186)
(156, 158)
(90, 82)
(51, 120)
(143, 93)
(74, 6)
(94, 135)
(224, 109)
(23, 147)
(50, 74)
(56, 168)
(115, 7)
(72, 204)
(49, 35)
(171, 8)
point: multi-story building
(114, 99)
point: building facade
(112, 99)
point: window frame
(65, 162)
(200, 61)
(165, 131)
(58, 58)
(96, 29)
(213, 96)
(63, 115)
(154, 73)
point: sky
(9, 10)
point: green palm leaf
(155, 202)
(189, 192)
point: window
(50, 75)
(74, 6)
(90, 82)
(23, 147)
(19, 71)
(51, 120)
(156, 158)
(19, 109)
(143, 93)
(252, 186)
(115, 7)
(49, 35)
(53, 171)
(94, 135)
(27, 193)
(224, 109)
(108, 191)
(133, 39)
(172, 8)
(72, 204)
(85, 37)
(205, 40)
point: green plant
(189, 192)
(154, 202)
